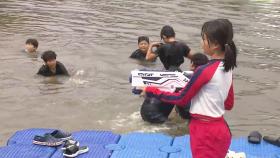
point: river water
(94, 39)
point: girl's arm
(200, 77)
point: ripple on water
(133, 122)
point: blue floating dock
(25, 137)
(105, 144)
(96, 142)
(263, 150)
(182, 143)
(141, 145)
(26, 151)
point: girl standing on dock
(210, 91)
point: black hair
(198, 59)
(32, 41)
(220, 31)
(48, 55)
(167, 31)
(143, 38)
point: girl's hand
(143, 94)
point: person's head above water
(143, 38)
(198, 59)
(31, 45)
(48, 55)
(143, 43)
(49, 58)
(166, 33)
(217, 41)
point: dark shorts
(155, 111)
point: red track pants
(209, 137)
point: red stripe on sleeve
(229, 102)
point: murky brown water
(94, 39)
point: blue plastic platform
(263, 150)
(96, 142)
(183, 143)
(105, 144)
(25, 137)
(139, 145)
(26, 151)
(96, 137)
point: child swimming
(51, 67)
(31, 45)
(143, 45)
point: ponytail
(230, 56)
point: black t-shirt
(172, 54)
(138, 54)
(60, 70)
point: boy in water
(51, 66)
(143, 45)
(197, 60)
(31, 46)
(171, 53)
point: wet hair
(167, 31)
(48, 55)
(32, 41)
(220, 32)
(198, 59)
(143, 38)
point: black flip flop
(74, 151)
(60, 135)
(47, 140)
(272, 140)
(254, 137)
(70, 143)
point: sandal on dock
(74, 151)
(47, 140)
(254, 137)
(272, 140)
